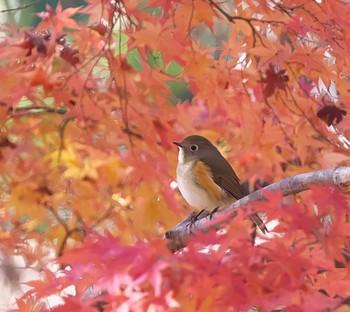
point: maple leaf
(100, 28)
(299, 26)
(24, 195)
(272, 53)
(33, 40)
(58, 19)
(331, 114)
(70, 55)
(311, 58)
(192, 14)
(145, 38)
(162, 130)
(274, 79)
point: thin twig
(107, 214)
(61, 131)
(68, 234)
(249, 21)
(36, 110)
(59, 220)
(21, 7)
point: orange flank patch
(204, 179)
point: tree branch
(179, 235)
(249, 21)
(35, 110)
(21, 7)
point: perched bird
(205, 178)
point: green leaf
(174, 69)
(180, 91)
(155, 59)
(121, 40)
(134, 59)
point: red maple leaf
(70, 55)
(331, 114)
(33, 40)
(274, 79)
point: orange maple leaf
(58, 19)
(311, 58)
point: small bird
(205, 178)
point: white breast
(193, 194)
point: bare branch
(68, 234)
(249, 21)
(21, 7)
(181, 233)
(35, 110)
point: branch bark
(179, 235)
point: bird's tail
(258, 222)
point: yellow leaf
(108, 171)
(64, 156)
(26, 199)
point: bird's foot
(196, 217)
(212, 212)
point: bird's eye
(193, 147)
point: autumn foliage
(89, 111)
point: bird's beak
(178, 144)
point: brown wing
(226, 178)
